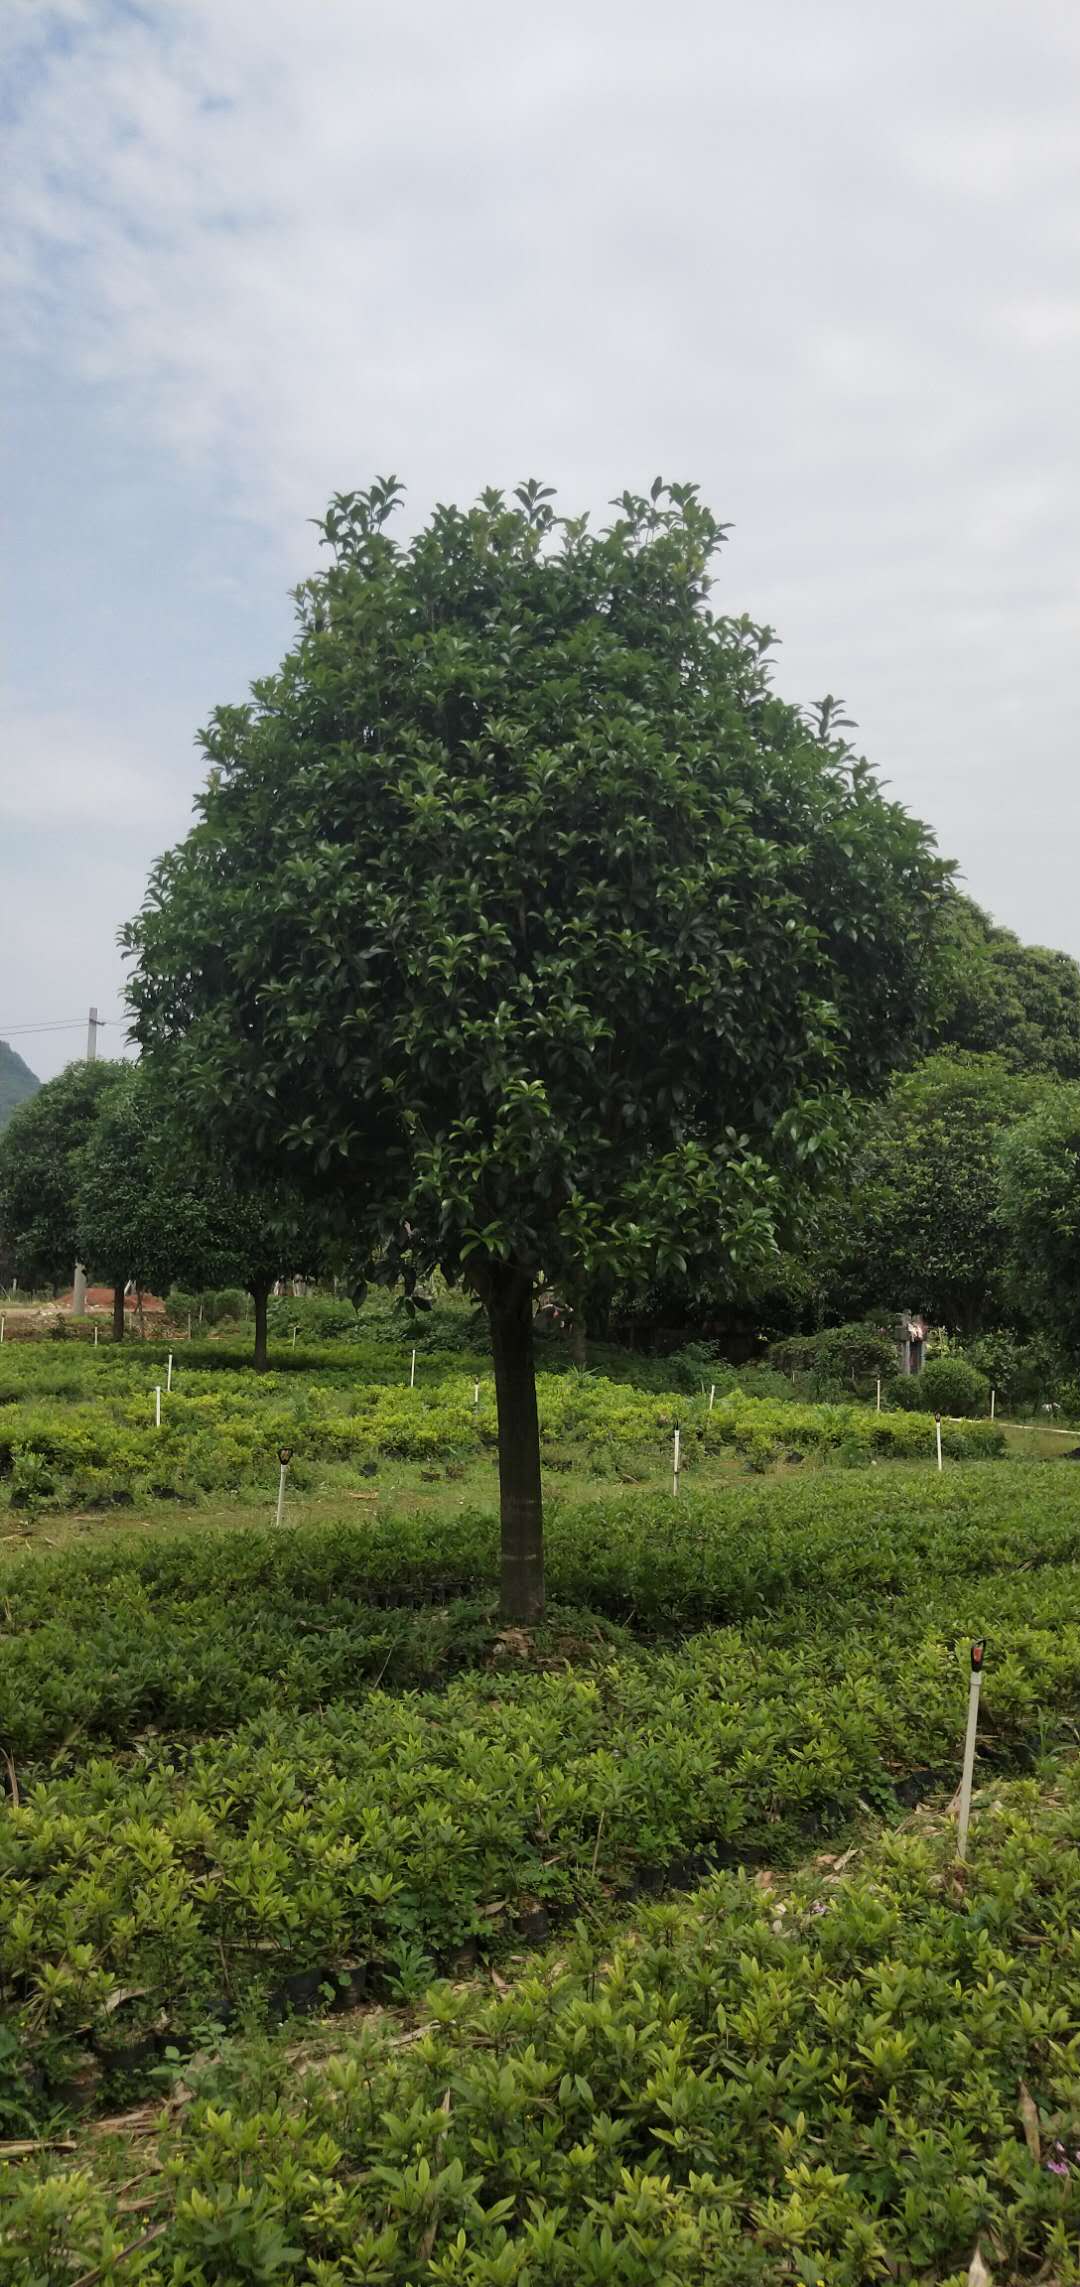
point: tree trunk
(118, 1312)
(579, 1339)
(258, 1296)
(509, 1301)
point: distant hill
(17, 1082)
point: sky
(820, 256)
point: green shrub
(951, 1386)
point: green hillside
(17, 1082)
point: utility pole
(78, 1292)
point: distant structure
(911, 1334)
(17, 1082)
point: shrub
(951, 1386)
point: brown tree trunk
(259, 1295)
(579, 1350)
(509, 1300)
(118, 1312)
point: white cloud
(823, 259)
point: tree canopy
(39, 1169)
(528, 923)
(1040, 1206)
(997, 996)
(156, 1208)
(919, 1225)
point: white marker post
(168, 1373)
(3, 1323)
(284, 1458)
(476, 1397)
(412, 1372)
(95, 1337)
(157, 1406)
(993, 1403)
(712, 1395)
(878, 1406)
(937, 1429)
(977, 1655)
(675, 1468)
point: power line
(54, 1024)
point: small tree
(40, 1154)
(525, 918)
(156, 1209)
(135, 1219)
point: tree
(997, 996)
(1040, 1207)
(155, 1208)
(526, 920)
(920, 1227)
(39, 1162)
(135, 1220)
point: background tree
(156, 1210)
(1040, 1208)
(135, 1219)
(919, 1226)
(39, 1170)
(524, 917)
(995, 995)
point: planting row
(182, 1631)
(371, 1844)
(853, 2078)
(222, 1431)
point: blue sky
(824, 260)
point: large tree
(39, 1170)
(526, 919)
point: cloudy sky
(822, 256)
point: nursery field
(349, 1936)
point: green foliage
(817, 2083)
(998, 997)
(17, 1082)
(863, 1352)
(921, 1227)
(319, 1844)
(952, 1386)
(562, 885)
(39, 1170)
(1040, 1194)
(93, 1420)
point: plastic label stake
(937, 1432)
(284, 1458)
(978, 1654)
(675, 1470)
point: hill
(17, 1082)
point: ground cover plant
(79, 1427)
(852, 2076)
(183, 1631)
